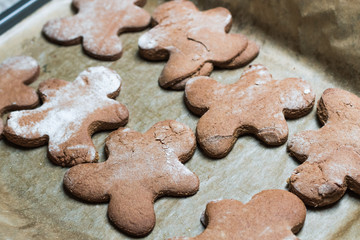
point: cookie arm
(300, 144)
(110, 117)
(314, 142)
(89, 182)
(64, 31)
(25, 98)
(219, 16)
(296, 96)
(245, 57)
(48, 88)
(139, 19)
(200, 94)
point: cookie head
(256, 104)
(71, 113)
(101, 80)
(140, 169)
(271, 214)
(182, 142)
(331, 154)
(15, 73)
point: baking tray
(33, 204)
(17, 12)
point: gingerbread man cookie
(194, 42)
(331, 155)
(15, 72)
(98, 24)
(71, 113)
(270, 215)
(255, 104)
(140, 169)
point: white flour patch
(147, 41)
(20, 63)
(62, 117)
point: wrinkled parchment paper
(314, 40)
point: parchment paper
(292, 35)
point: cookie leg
(217, 133)
(132, 211)
(272, 131)
(103, 47)
(184, 184)
(76, 150)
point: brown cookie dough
(140, 169)
(97, 25)
(71, 113)
(194, 42)
(15, 72)
(270, 215)
(255, 104)
(331, 155)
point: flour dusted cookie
(331, 155)
(270, 214)
(97, 25)
(15, 72)
(194, 42)
(71, 113)
(140, 169)
(255, 104)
